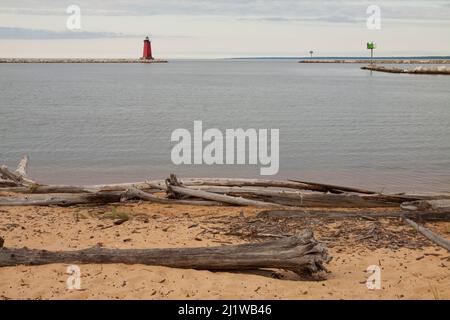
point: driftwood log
(45, 189)
(220, 197)
(9, 175)
(19, 176)
(63, 200)
(444, 243)
(286, 198)
(438, 205)
(138, 194)
(296, 214)
(334, 200)
(22, 167)
(176, 190)
(334, 188)
(5, 183)
(249, 191)
(227, 182)
(40, 189)
(18, 182)
(301, 254)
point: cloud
(35, 34)
(325, 10)
(330, 18)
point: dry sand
(407, 273)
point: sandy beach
(218, 159)
(411, 266)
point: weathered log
(22, 167)
(93, 198)
(300, 254)
(439, 205)
(236, 185)
(138, 194)
(299, 199)
(7, 184)
(246, 191)
(119, 186)
(290, 184)
(7, 174)
(220, 197)
(312, 200)
(63, 201)
(20, 175)
(19, 182)
(297, 214)
(444, 243)
(334, 188)
(315, 199)
(226, 182)
(44, 189)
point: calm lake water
(96, 123)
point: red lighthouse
(147, 49)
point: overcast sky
(222, 28)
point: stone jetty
(418, 70)
(379, 61)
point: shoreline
(79, 60)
